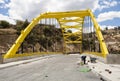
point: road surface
(53, 68)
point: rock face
(7, 38)
(112, 39)
(43, 38)
(7, 31)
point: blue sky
(107, 12)
(3, 9)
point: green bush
(47, 31)
(69, 31)
(5, 24)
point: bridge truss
(72, 20)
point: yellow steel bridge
(71, 20)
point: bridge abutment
(113, 59)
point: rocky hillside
(7, 38)
(48, 38)
(41, 38)
(112, 39)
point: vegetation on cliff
(45, 37)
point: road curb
(12, 64)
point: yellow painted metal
(62, 17)
(94, 53)
(72, 42)
(21, 38)
(71, 20)
(99, 35)
(82, 35)
(64, 45)
(58, 15)
(77, 26)
(32, 54)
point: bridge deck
(55, 68)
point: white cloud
(28, 9)
(113, 3)
(2, 1)
(108, 16)
(6, 18)
(108, 26)
(107, 4)
(3, 4)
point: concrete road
(54, 68)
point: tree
(69, 31)
(118, 27)
(25, 24)
(106, 28)
(18, 28)
(47, 31)
(104, 32)
(5, 24)
(73, 38)
(115, 28)
(20, 25)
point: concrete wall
(113, 59)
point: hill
(112, 39)
(49, 38)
